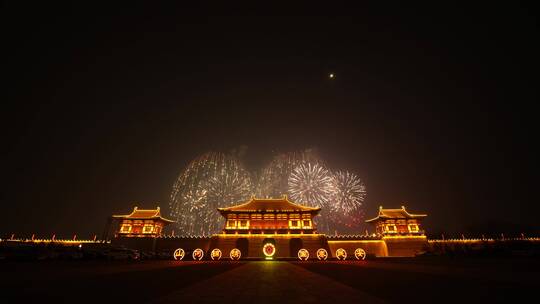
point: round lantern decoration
(215, 254)
(303, 254)
(179, 254)
(198, 254)
(322, 254)
(341, 254)
(269, 250)
(235, 254)
(360, 254)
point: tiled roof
(395, 214)
(269, 205)
(144, 214)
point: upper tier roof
(395, 214)
(144, 214)
(269, 205)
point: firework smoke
(217, 180)
(273, 179)
(348, 192)
(210, 181)
(311, 185)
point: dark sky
(432, 106)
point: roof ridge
(283, 200)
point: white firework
(217, 180)
(273, 179)
(348, 192)
(210, 181)
(310, 184)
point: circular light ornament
(322, 254)
(235, 254)
(341, 254)
(215, 254)
(198, 254)
(303, 254)
(360, 254)
(179, 254)
(269, 250)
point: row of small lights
(269, 250)
(348, 236)
(501, 237)
(53, 238)
(534, 239)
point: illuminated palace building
(269, 216)
(271, 229)
(140, 223)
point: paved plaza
(375, 281)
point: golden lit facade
(140, 223)
(273, 229)
(269, 216)
(397, 222)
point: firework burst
(215, 180)
(210, 181)
(310, 184)
(273, 179)
(348, 192)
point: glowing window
(391, 228)
(306, 223)
(243, 216)
(413, 227)
(243, 224)
(294, 224)
(148, 228)
(282, 216)
(306, 216)
(294, 216)
(231, 216)
(269, 216)
(126, 228)
(256, 216)
(231, 224)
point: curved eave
(382, 217)
(167, 220)
(127, 217)
(236, 206)
(296, 207)
(318, 209)
(372, 220)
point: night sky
(102, 107)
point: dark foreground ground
(426, 280)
